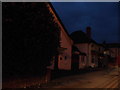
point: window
(82, 59)
(92, 45)
(65, 57)
(60, 58)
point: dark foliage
(30, 38)
(81, 37)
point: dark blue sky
(103, 17)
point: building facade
(64, 56)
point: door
(75, 62)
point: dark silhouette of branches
(30, 38)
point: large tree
(30, 38)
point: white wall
(82, 64)
(95, 47)
(84, 47)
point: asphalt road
(96, 79)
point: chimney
(88, 32)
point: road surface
(96, 79)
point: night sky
(102, 17)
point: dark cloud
(101, 16)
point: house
(78, 59)
(114, 49)
(63, 60)
(100, 55)
(86, 44)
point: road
(96, 79)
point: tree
(30, 38)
